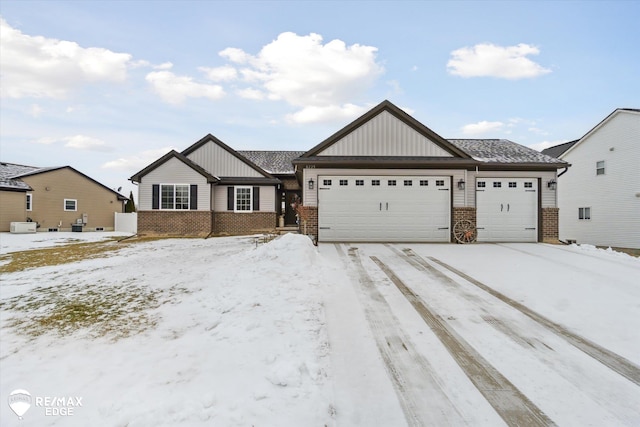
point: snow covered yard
(218, 332)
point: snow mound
(604, 253)
(289, 248)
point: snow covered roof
(502, 151)
(10, 173)
(274, 162)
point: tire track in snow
(419, 391)
(612, 360)
(507, 400)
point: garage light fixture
(461, 185)
(311, 183)
(551, 184)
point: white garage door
(507, 209)
(384, 208)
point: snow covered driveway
(520, 334)
(220, 332)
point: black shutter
(155, 196)
(193, 197)
(256, 198)
(230, 198)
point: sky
(107, 87)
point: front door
(289, 212)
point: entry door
(384, 208)
(507, 209)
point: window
(584, 213)
(70, 205)
(600, 167)
(528, 185)
(344, 182)
(174, 196)
(513, 184)
(375, 182)
(439, 182)
(497, 185)
(482, 184)
(29, 202)
(359, 181)
(424, 182)
(326, 182)
(391, 182)
(408, 183)
(243, 199)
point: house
(599, 196)
(211, 189)
(56, 198)
(384, 177)
(387, 177)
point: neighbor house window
(584, 213)
(174, 196)
(600, 167)
(244, 197)
(70, 205)
(29, 202)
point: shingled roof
(502, 151)
(273, 162)
(9, 176)
(558, 150)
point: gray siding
(173, 172)
(219, 162)
(384, 135)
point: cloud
(40, 67)
(250, 93)
(318, 78)
(539, 146)
(489, 60)
(35, 110)
(329, 113)
(175, 89)
(77, 142)
(220, 74)
(138, 161)
(482, 127)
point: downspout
(563, 172)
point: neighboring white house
(599, 195)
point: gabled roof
(171, 155)
(503, 151)
(400, 115)
(273, 162)
(9, 173)
(595, 128)
(210, 138)
(558, 150)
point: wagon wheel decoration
(464, 231)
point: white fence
(126, 222)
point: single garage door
(507, 209)
(384, 208)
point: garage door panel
(507, 209)
(377, 210)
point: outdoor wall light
(461, 185)
(551, 184)
(311, 183)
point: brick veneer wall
(550, 225)
(180, 223)
(243, 223)
(463, 213)
(311, 215)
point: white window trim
(235, 199)
(584, 213)
(603, 168)
(75, 202)
(174, 197)
(29, 202)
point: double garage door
(384, 208)
(418, 209)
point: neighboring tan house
(211, 189)
(599, 196)
(56, 198)
(387, 177)
(384, 177)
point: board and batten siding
(267, 198)
(385, 135)
(219, 162)
(310, 197)
(173, 171)
(549, 197)
(614, 197)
